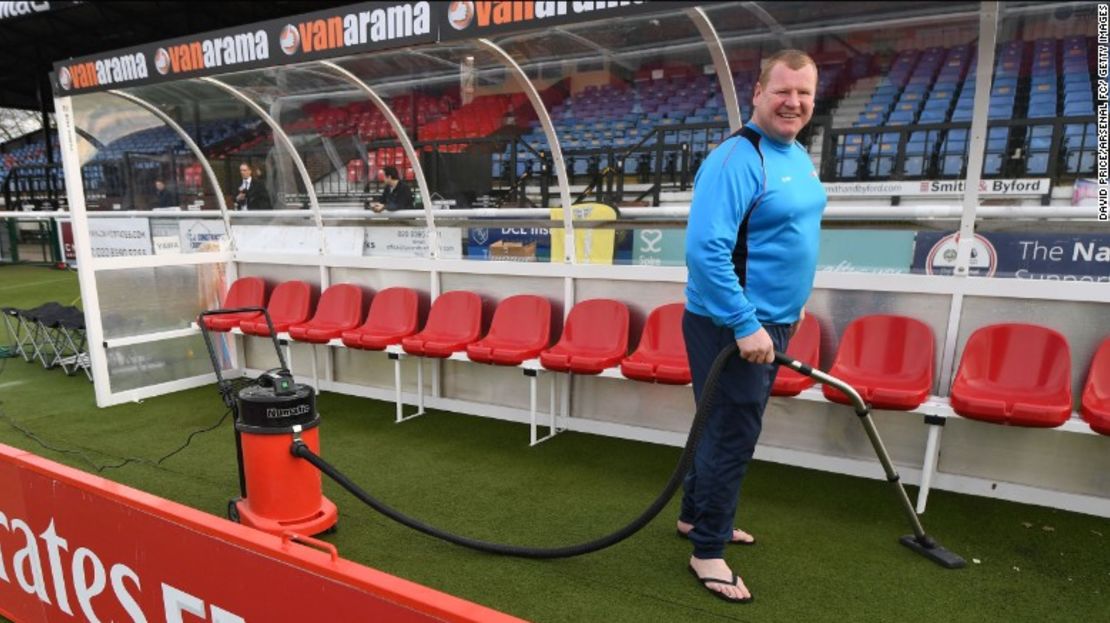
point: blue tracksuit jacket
(759, 270)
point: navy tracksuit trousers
(712, 487)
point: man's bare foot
(716, 576)
(739, 537)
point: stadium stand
(935, 87)
(912, 111)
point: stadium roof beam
(433, 58)
(770, 21)
(605, 52)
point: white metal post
(929, 465)
(552, 140)
(720, 63)
(988, 35)
(86, 276)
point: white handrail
(833, 212)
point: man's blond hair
(794, 59)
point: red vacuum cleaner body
(282, 492)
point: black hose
(701, 417)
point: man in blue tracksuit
(751, 253)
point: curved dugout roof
(30, 43)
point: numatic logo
(65, 79)
(290, 39)
(15, 9)
(462, 14)
(354, 29)
(273, 413)
(105, 71)
(162, 61)
(244, 47)
(85, 577)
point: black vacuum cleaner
(919, 541)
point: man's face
(785, 106)
(245, 171)
(160, 185)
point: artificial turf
(827, 547)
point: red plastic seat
(520, 329)
(1096, 393)
(245, 292)
(661, 355)
(805, 346)
(393, 315)
(454, 321)
(888, 359)
(595, 337)
(290, 304)
(339, 310)
(1017, 374)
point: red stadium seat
(290, 304)
(245, 292)
(454, 321)
(392, 316)
(887, 359)
(805, 346)
(520, 329)
(661, 355)
(595, 337)
(339, 310)
(1096, 393)
(1017, 374)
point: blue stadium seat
(1078, 108)
(1040, 138)
(934, 112)
(1080, 162)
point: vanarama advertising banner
(335, 32)
(364, 27)
(468, 20)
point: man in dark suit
(252, 192)
(396, 196)
(162, 196)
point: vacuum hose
(701, 417)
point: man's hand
(377, 207)
(757, 347)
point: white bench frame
(936, 410)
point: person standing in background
(163, 198)
(252, 192)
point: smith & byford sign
(937, 188)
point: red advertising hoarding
(78, 547)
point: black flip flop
(686, 535)
(705, 582)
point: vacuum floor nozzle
(932, 550)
